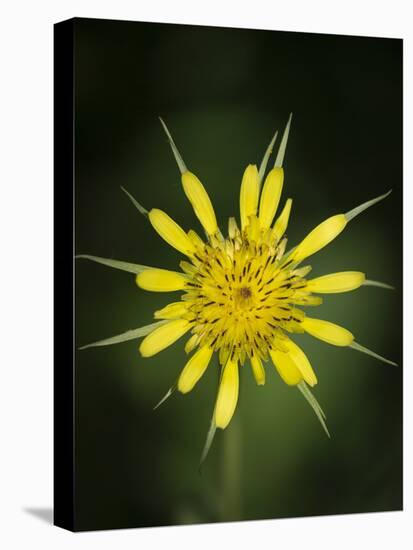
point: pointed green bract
(125, 336)
(141, 209)
(209, 440)
(359, 209)
(368, 282)
(359, 347)
(283, 145)
(165, 397)
(264, 162)
(116, 264)
(179, 160)
(305, 390)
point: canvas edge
(63, 248)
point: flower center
(242, 297)
(244, 293)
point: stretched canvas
(228, 282)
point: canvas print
(236, 275)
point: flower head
(242, 295)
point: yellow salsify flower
(242, 295)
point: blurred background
(223, 93)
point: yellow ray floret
(171, 232)
(163, 336)
(286, 367)
(172, 311)
(270, 197)
(249, 194)
(328, 332)
(343, 281)
(196, 239)
(320, 237)
(301, 361)
(192, 343)
(194, 369)
(258, 370)
(161, 280)
(200, 201)
(281, 224)
(227, 394)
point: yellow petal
(163, 336)
(201, 203)
(188, 268)
(233, 230)
(171, 232)
(196, 239)
(250, 186)
(328, 332)
(282, 221)
(191, 343)
(343, 281)
(301, 361)
(253, 228)
(172, 311)
(270, 196)
(307, 299)
(194, 369)
(227, 394)
(258, 370)
(286, 367)
(160, 280)
(319, 237)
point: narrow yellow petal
(328, 332)
(253, 228)
(196, 239)
(171, 232)
(227, 395)
(163, 337)
(201, 203)
(160, 280)
(306, 299)
(194, 369)
(319, 237)
(301, 361)
(258, 370)
(191, 343)
(250, 186)
(286, 367)
(188, 268)
(233, 230)
(270, 196)
(343, 281)
(282, 221)
(172, 311)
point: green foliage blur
(223, 93)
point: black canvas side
(63, 275)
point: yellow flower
(242, 295)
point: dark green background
(223, 92)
